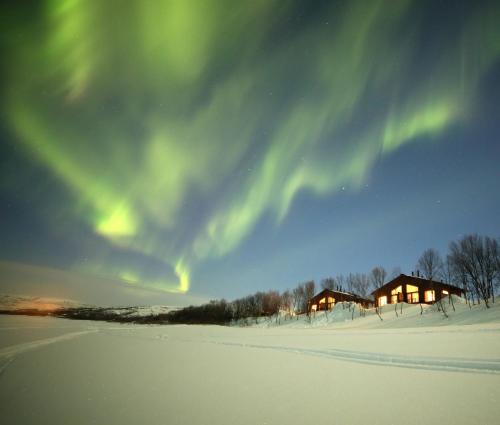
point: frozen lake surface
(76, 372)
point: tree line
(472, 263)
(288, 303)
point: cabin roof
(415, 280)
(334, 292)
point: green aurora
(176, 125)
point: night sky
(214, 148)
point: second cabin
(327, 298)
(413, 290)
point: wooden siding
(422, 284)
(338, 296)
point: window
(326, 303)
(430, 296)
(382, 301)
(445, 292)
(314, 307)
(412, 297)
(331, 302)
(411, 288)
(412, 294)
(397, 290)
(395, 297)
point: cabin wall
(423, 286)
(339, 297)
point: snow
(408, 315)
(140, 311)
(13, 303)
(412, 369)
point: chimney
(418, 273)
(412, 273)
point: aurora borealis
(207, 145)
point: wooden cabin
(326, 299)
(413, 290)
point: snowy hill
(402, 315)
(138, 311)
(11, 304)
(17, 303)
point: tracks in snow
(20, 348)
(445, 364)
(8, 354)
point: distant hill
(39, 306)
(16, 302)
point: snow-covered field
(59, 371)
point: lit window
(326, 303)
(445, 292)
(411, 288)
(397, 290)
(430, 296)
(412, 297)
(382, 301)
(314, 307)
(395, 298)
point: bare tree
(286, 303)
(491, 264)
(396, 271)
(328, 283)
(271, 302)
(449, 277)
(377, 277)
(238, 307)
(460, 277)
(447, 273)
(257, 303)
(298, 297)
(349, 280)
(498, 264)
(360, 284)
(340, 282)
(431, 264)
(309, 290)
(477, 258)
